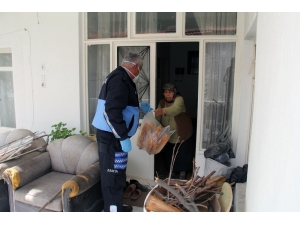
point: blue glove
(146, 107)
(126, 145)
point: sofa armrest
(28, 171)
(17, 161)
(83, 181)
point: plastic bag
(239, 174)
(152, 136)
(222, 158)
(216, 149)
(220, 168)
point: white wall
(247, 73)
(273, 174)
(246, 87)
(51, 39)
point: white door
(140, 163)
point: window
(106, 25)
(218, 92)
(216, 69)
(7, 102)
(98, 69)
(155, 22)
(210, 23)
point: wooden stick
(44, 206)
(178, 196)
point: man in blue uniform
(116, 120)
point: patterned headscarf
(170, 87)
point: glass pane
(107, 25)
(218, 92)
(143, 85)
(5, 60)
(7, 102)
(210, 23)
(155, 22)
(98, 69)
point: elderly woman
(171, 111)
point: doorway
(178, 63)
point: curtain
(146, 22)
(216, 23)
(110, 24)
(98, 69)
(7, 103)
(218, 92)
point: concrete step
(239, 197)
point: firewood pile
(199, 194)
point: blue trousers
(113, 180)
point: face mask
(136, 78)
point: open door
(140, 163)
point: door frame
(140, 163)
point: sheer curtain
(7, 106)
(112, 24)
(146, 22)
(216, 23)
(107, 25)
(7, 100)
(98, 69)
(218, 92)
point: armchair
(9, 137)
(65, 177)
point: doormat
(138, 202)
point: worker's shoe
(127, 208)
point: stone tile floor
(146, 183)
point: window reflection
(7, 98)
(210, 23)
(218, 92)
(98, 69)
(155, 22)
(107, 25)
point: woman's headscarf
(170, 87)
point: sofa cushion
(50, 184)
(72, 155)
(3, 137)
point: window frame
(5, 69)
(179, 36)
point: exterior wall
(273, 173)
(247, 73)
(51, 39)
(250, 25)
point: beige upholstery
(39, 179)
(7, 138)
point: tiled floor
(137, 209)
(148, 183)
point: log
(154, 204)
(220, 180)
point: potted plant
(60, 131)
